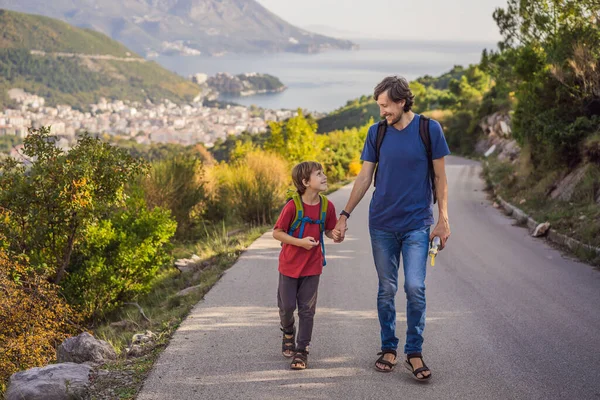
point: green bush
(119, 258)
(176, 184)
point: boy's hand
(308, 242)
(336, 236)
(339, 233)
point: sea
(325, 81)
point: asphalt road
(508, 317)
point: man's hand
(339, 233)
(442, 230)
(308, 242)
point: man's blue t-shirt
(403, 198)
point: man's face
(388, 109)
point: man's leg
(415, 245)
(386, 253)
(307, 305)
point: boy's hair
(302, 172)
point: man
(400, 216)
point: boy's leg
(286, 301)
(415, 245)
(307, 305)
(386, 253)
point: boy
(301, 259)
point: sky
(431, 20)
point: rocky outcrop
(85, 348)
(70, 378)
(498, 137)
(565, 188)
(66, 381)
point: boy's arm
(283, 237)
(331, 220)
(306, 243)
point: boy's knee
(287, 310)
(306, 309)
(306, 313)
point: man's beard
(395, 121)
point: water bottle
(434, 248)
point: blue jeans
(387, 248)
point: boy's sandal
(417, 371)
(381, 360)
(300, 360)
(288, 344)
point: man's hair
(397, 89)
(302, 172)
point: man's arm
(442, 229)
(361, 185)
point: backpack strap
(299, 214)
(426, 138)
(381, 130)
(324, 205)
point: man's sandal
(288, 344)
(417, 371)
(300, 360)
(381, 360)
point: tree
(50, 202)
(296, 139)
(550, 56)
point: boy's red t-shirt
(295, 261)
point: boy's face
(317, 181)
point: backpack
(300, 220)
(425, 138)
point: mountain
(184, 26)
(69, 65)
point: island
(247, 84)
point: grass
(578, 218)
(218, 251)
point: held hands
(339, 233)
(308, 242)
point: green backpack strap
(324, 205)
(323, 215)
(295, 197)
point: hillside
(431, 93)
(25, 31)
(184, 26)
(68, 65)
